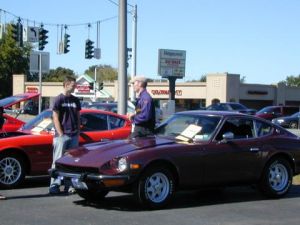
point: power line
(56, 24)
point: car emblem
(76, 160)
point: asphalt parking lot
(31, 204)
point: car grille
(75, 169)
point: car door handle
(254, 149)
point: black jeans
(141, 131)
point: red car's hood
(9, 101)
(96, 154)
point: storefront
(222, 87)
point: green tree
(104, 73)
(292, 81)
(201, 79)
(13, 60)
(58, 74)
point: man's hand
(130, 116)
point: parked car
(271, 112)
(29, 150)
(13, 123)
(231, 106)
(112, 106)
(191, 149)
(288, 121)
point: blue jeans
(60, 146)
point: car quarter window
(115, 122)
(93, 122)
(242, 128)
(262, 129)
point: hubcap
(278, 176)
(157, 187)
(10, 170)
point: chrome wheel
(278, 176)
(11, 171)
(293, 125)
(157, 187)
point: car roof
(212, 113)
(88, 110)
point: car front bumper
(91, 180)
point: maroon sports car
(190, 150)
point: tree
(104, 73)
(13, 60)
(201, 79)
(292, 81)
(58, 74)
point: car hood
(96, 154)
(12, 100)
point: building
(222, 87)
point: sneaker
(54, 189)
(69, 190)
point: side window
(290, 110)
(93, 122)
(263, 129)
(241, 128)
(115, 122)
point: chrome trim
(90, 176)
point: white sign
(34, 62)
(31, 34)
(1, 30)
(171, 63)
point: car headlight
(122, 164)
(280, 121)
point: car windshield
(41, 122)
(297, 114)
(266, 110)
(187, 127)
(237, 106)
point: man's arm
(57, 124)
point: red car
(191, 150)
(11, 123)
(29, 150)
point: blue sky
(258, 39)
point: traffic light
(15, 31)
(89, 49)
(91, 85)
(42, 38)
(101, 86)
(66, 43)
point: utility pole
(95, 81)
(40, 82)
(122, 58)
(134, 45)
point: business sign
(31, 34)
(171, 63)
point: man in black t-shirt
(66, 119)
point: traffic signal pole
(122, 58)
(40, 82)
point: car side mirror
(227, 137)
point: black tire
(155, 188)
(293, 125)
(276, 178)
(12, 171)
(92, 195)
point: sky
(258, 39)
